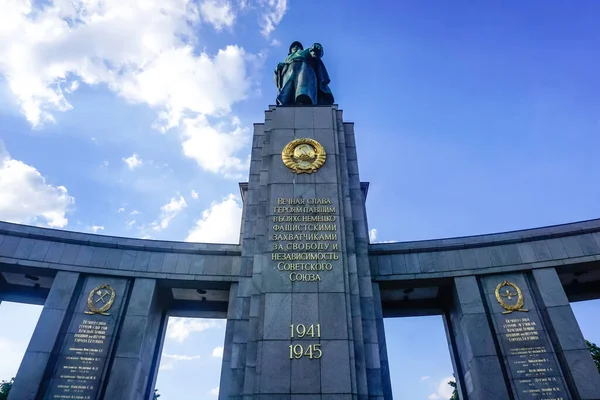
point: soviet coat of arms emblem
(303, 156)
(503, 291)
(100, 300)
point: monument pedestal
(302, 322)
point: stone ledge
(487, 240)
(94, 240)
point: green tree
(5, 387)
(155, 397)
(452, 383)
(595, 353)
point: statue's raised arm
(302, 78)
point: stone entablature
(552, 246)
(52, 249)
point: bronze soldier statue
(302, 78)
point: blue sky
(134, 118)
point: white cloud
(166, 365)
(144, 51)
(179, 329)
(167, 361)
(214, 147)
(274, 10)
(194, 194)
(168, 212)
(26, 198)
(217, 13)
(96, 228)
(444, 391)
(214, 391)
(217, 352)
(179, 81)
(425, 378)
(12, 354)
(120, 210)
(372, 235)
(133, 161)
(183, 357)
(275, 43)
(220, 223)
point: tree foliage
(595, 350)
(455, 391)
(5, 387)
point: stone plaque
(305, 238)
(87, 344)
(528, 354)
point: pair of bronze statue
(302, 78)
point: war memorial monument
(304, 293)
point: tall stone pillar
(82, 356)
(569, 343)
(514, 336)
(48, 332)
(302, 320)
(97, 337)
(383, 354)
(523, 337)
(475, 355)
(135, 361)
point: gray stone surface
(333, 316)
(473, 343)
(487, 379)
(583, 376)
(524, 337)
(567, 339)
(29, 376)
(534, 388)
(54, 252)
(8, 246)
(275, 369)
(468, 296)
(335, 367)
(550, 288)
(37, 358)
(588, 245)
(278, 315)
(137, 346)
(566, 329)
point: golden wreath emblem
(509, 295)
(100, 300)
(303, 156)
